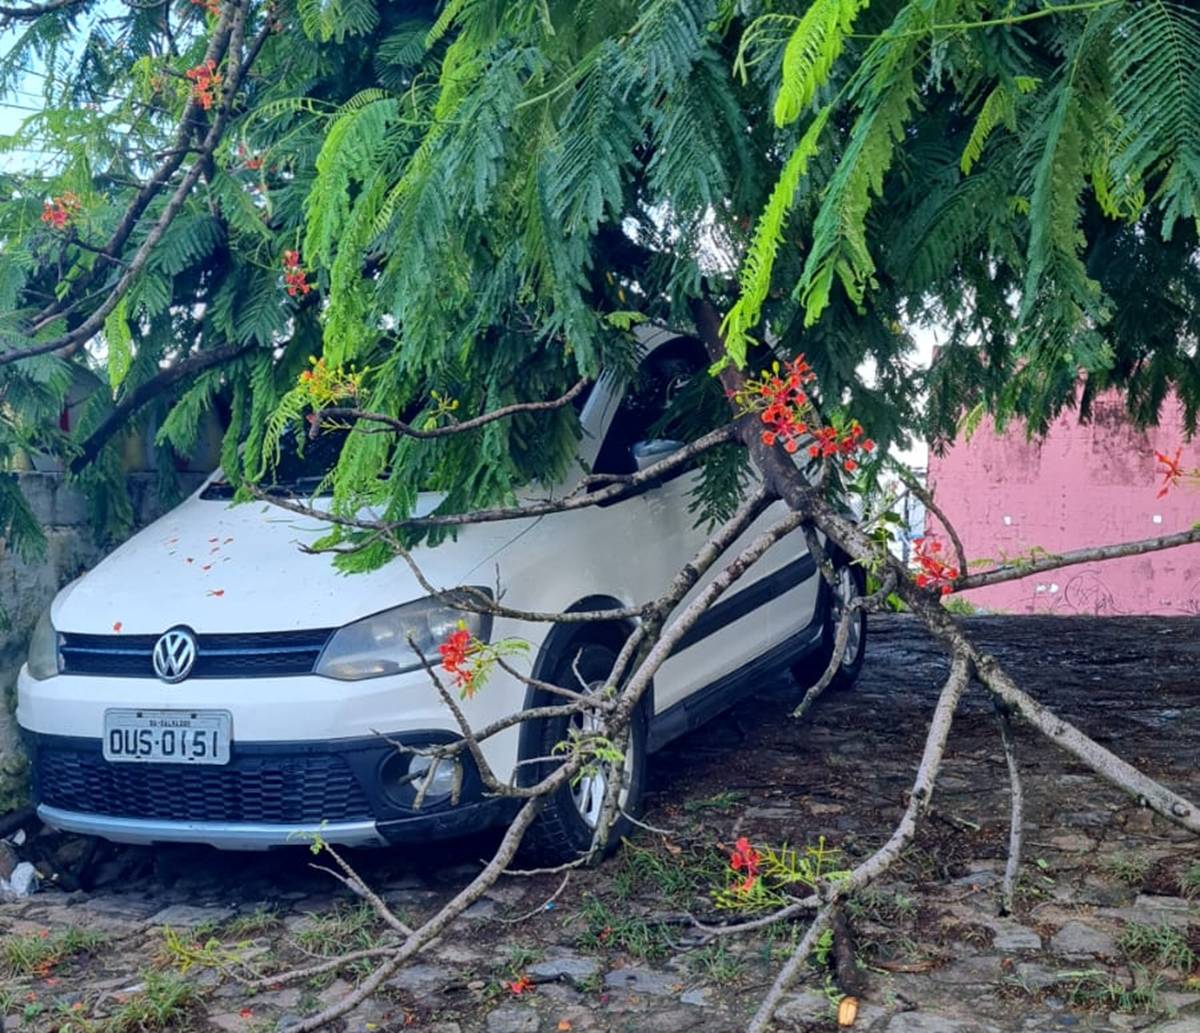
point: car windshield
(303, 464)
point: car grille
(217, 656)
(276, 790)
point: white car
(209, 682)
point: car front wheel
(566, 825)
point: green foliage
(488, 199)
(810, 54)
(1156, 103)
(759, 263)
(120, 343)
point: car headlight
(380, 644)
(43, 649)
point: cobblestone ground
(1105, 936)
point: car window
(303, 463)
(644, 404)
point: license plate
(168, 736)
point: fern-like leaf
(815, 44)
(759, 263)
(1156, 67)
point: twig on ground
(1016, 819)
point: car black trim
(261, 784)
(705, 704)
(736, 606)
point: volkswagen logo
(175, 655)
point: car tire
(852, 581)
(564, 828)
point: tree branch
(173, 157)
(878, 862)
(408, 430)
(1017, 814)
(93, 323)
(930, 503)
(31, 11)
(533, 509)
(147, 391)
(1092, 554)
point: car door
(657, 529)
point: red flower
(294, 276)
(206, 80)
(744, 858)
(521, 985)
(933, 572)
(456, 654)
(1172, 472)
(58, 212)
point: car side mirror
(647, 453)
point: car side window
(645, 403)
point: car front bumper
(268, 795)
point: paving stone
(1072, 842)
(670, 1020)
(513, 1019)
(698, 996)
(980, 969)
(1175, 1000)
(335, 991)
(115, 915)
(419, 899)
(369, 1017)
(1077, 938)
(1166, 910)
(571, 967)
(1033, 976)
(508, 892)
(284, 999)
(421, 979)
(922, 1022)
(805, 1008)
(185, 916)
(1180, 1025)
(457, 954)
(1012, 936)
(643, 981)
(481, 909)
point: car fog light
(402, 776)
(444, 781)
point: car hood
(222, 568)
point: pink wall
(1084, 484)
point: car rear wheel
(850, 581)
(564, 829)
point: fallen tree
(662, 623)
(384, 217)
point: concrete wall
(1084, 484)
(26, 589)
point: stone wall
(26, 589)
